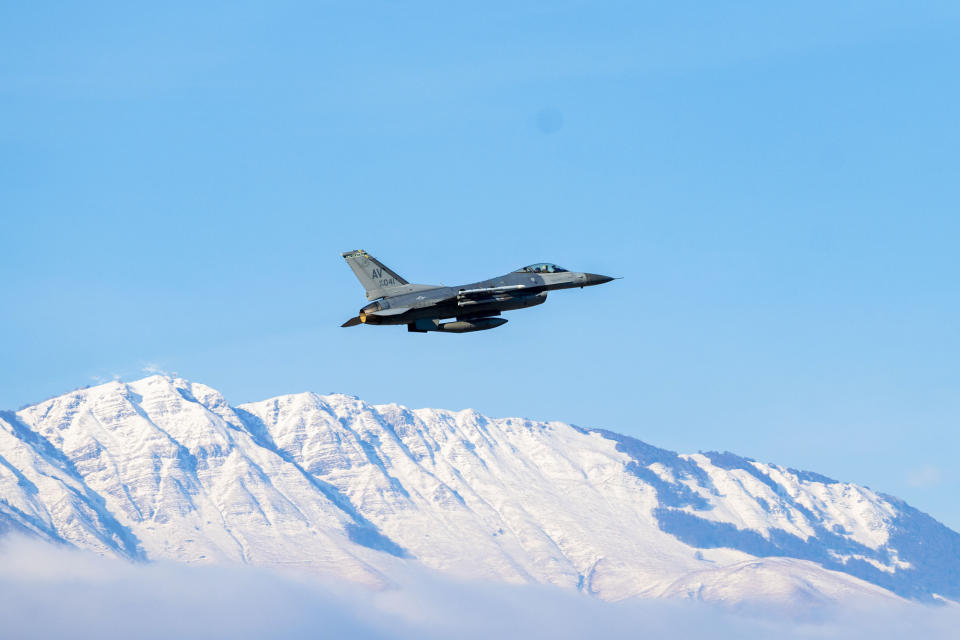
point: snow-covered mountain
(163, 468)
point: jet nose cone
(596, 278)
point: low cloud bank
(57, 592)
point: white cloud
(152, 367)
(57, 592)
(924, 477)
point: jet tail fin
(378, 279)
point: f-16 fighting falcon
(474, 306)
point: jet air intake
(459, 326)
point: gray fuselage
(515, 290)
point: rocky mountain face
(164, 468)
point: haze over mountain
(165, 468)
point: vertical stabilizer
(378, 279)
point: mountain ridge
(166, 468)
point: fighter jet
(474, 306)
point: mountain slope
(175, 468)
(165, 468)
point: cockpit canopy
(542, 267)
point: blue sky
(777, 185)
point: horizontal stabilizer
(352, 322)
(389, 312)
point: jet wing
(486, 292)
(489, 291)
